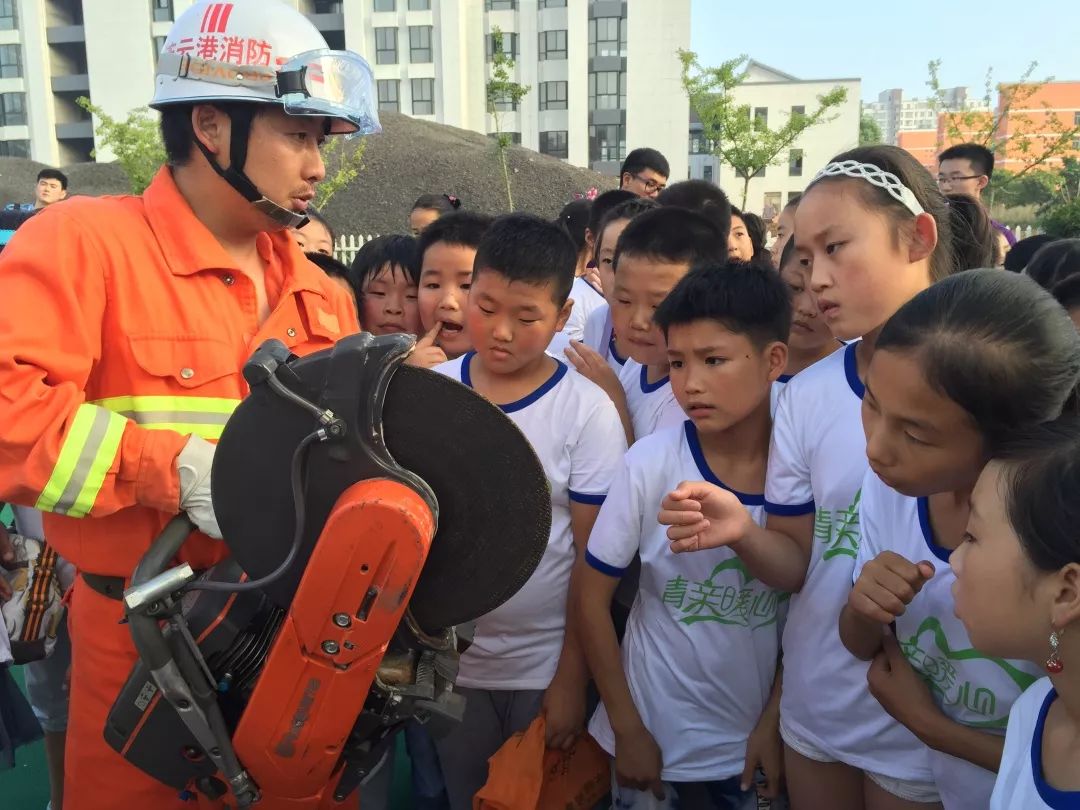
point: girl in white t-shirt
(874, 231)
(963, 364)
(1017, 592)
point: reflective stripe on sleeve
(200, 416)
(86, 457)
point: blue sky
(866, 39)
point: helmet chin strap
(241, 116)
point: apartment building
(603, 75)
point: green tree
(1036, 143)
(344, 162)
(135, 140)
(1062, 220)
(502, 92)
(738, 139)
(869, 132)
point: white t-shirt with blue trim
(701, 641)
(587, 299)
(973, 689)
(777, 387)
(816, 466)
(600, 336)
(652, 406)
(576, 433)
(1020, 779)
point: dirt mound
(408, 159)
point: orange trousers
(96, 777)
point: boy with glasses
(966, 169)
(644, 172)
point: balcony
(64, 34)
(75, 129)
(75, 83)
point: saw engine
(369, 508)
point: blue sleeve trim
(592, 500)
(786, 510)
(603, 567)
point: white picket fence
(348, 243)
(1024, 231)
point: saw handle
(145, 631)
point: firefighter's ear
(212, 127)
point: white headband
(875, 176)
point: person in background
(1017, 592)
(51, 188)
(966, 169)
(385, 277)
(1021, 253)
(785, 228)
(975, 242)
(756, 230)
(644, 172)
(586, 297)
(740, 245)
(428, 208)
(597, 211)
(316, 235)
(702, 196)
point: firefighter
(127, 321)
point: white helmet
(262, 51)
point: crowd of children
(813, 504)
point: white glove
(194, 464)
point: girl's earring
(1053, 663)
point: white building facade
(773, 96)
(603, 75)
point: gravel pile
(408, 159)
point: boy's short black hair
(315, 215)
(463, 228)
(393, 251)
(604, 203)
(627, 209)
(1024, 251)
(673, 235)
(645, 158)
(526, 248)
(981, 158)
(1067, 292)
(701, 196)
(744, 297)
(574, 218)
(53, 174)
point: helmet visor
(337, 84)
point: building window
(15, 149)
(509, 45)
(552, 45)
(798, 109)
(423, 96)
(386, 46)
(162, 10)
(419, 5)
(795, 158)
(607, 91)
(504, 103)
(555, 143)
(707, 173)
(328, 6)
(159, 46)
(10, 62)
(386, 5)
(501, 5)
(419, 44)
(761, 117)
(607, 143)
(388, 95)
(552, 95)
(9, 18)
(512, 137)
(552, 4)
(12, 109)
(607, 36)
(699, 144)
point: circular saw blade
(493, 496)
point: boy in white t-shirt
(525, 658)
(654, 252)
(698, 663)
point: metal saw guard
(325, 703)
